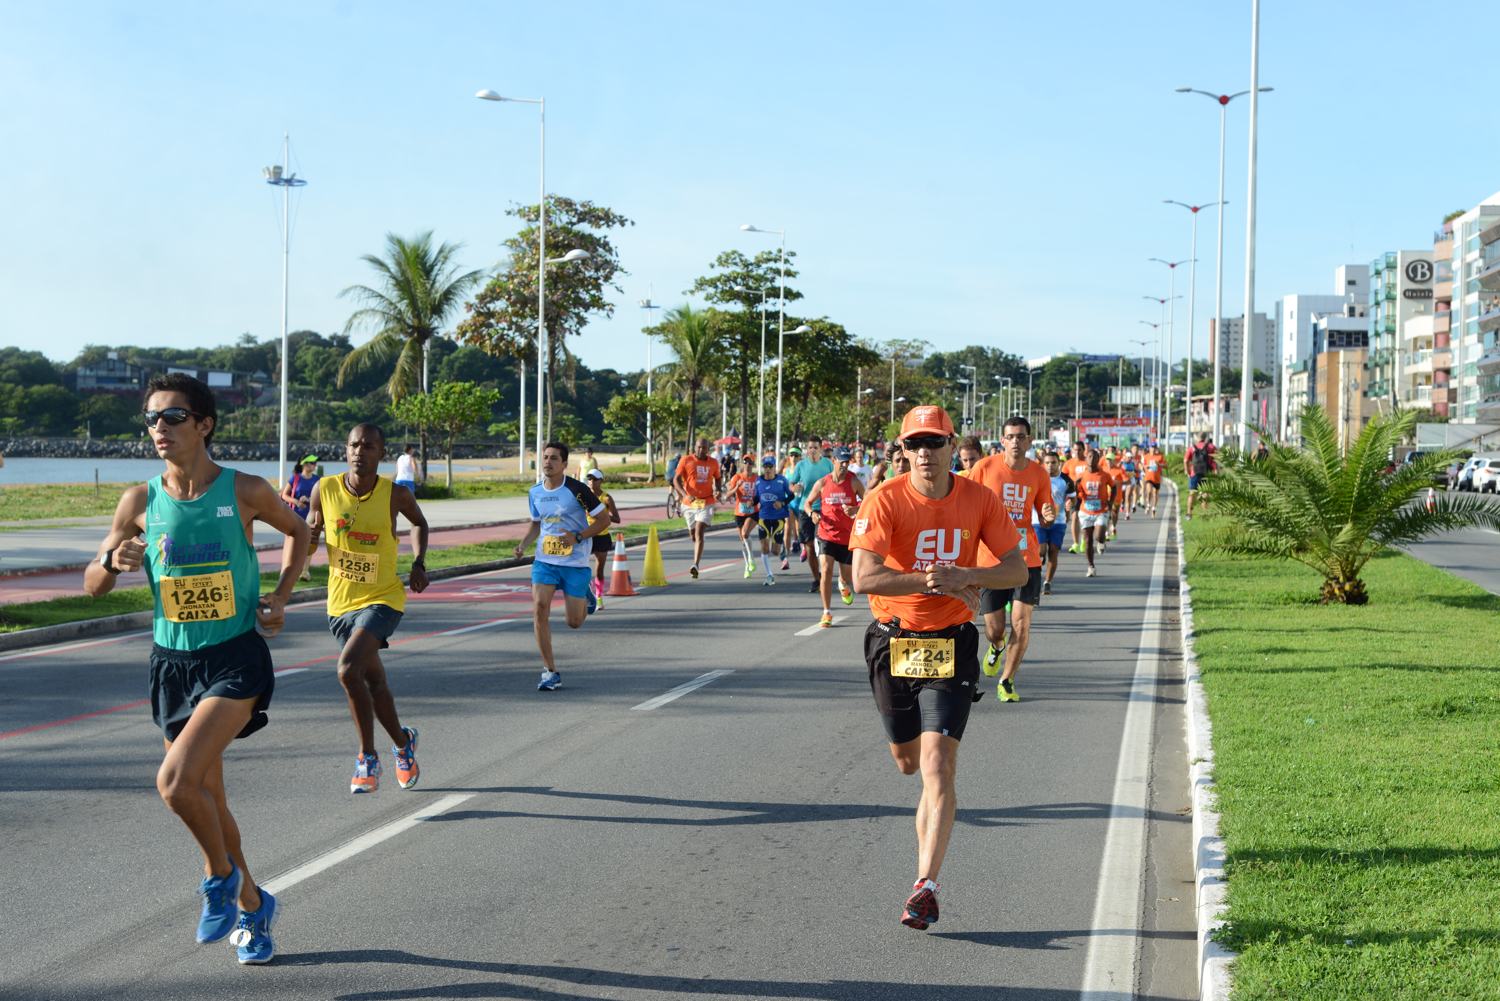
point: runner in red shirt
(916, 543)
(839, 493)
(1073, 468)
(1024, 489)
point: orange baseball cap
(928, 419)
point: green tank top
(204, 575)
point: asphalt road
(748, 839)
(1473, 554)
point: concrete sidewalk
(37, 564)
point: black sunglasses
(173, 415)
(930, 442)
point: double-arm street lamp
(1222, 100)
(1172, 266)
(1187, 396)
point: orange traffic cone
(619, 582)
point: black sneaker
(812, 588)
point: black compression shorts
(1029, 593)
(909, 707)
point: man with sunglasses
(917, 541)
(189, 528)
(1024, 489)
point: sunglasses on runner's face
(172, 415)
(930, 442)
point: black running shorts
(740, 519)
(838, 550)
(910, 707)
(239, 668)
(772, 528)
(603, 543)
(807, 529)
(1029, 593)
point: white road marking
(351, 848)
(289, 670)
(482, 625)
(43, 651)
(814, 630)
(681, 690)
(1110, 968)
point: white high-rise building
(1295, 316)
(1470, 302)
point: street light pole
(541, 265)
(1140, 401)
(1222, 100)
(1246, 369)
(780, 327)
(649, 306)
(1187, 396)
(1171, 323)
(283, 178)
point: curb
(108, 625)
(1210, 889)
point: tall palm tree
(1334, 512)
(697, 344)
(418, 287)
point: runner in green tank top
(365, 597)
(211, 674)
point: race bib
(922, 658)
(553, 545)
(357, 568)
(697, 504)
(1093, 505)
(205, 597)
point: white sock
(765, 561)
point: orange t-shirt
(1121, 478)
(742, 489)
(698, 477)
(1021, 492)
(1075, 468)
(1151, 467)
(1094, 492)
(911, 533)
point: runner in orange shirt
(1152, 464)
(1117, 499)
(1094, 494)
(1075, 466)
(696, 485)
(741, 492)
(916, 543)
(1024, 489)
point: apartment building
(1400, 289)
(1469, 303)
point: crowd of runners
(936, 534)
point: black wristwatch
(107, 561)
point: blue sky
(984, 173)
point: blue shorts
(381, 620)
(575, 581)
(1053, 534)
(1193, 482)
(408, 484)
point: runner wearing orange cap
(917, 542)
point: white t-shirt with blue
(561, 512)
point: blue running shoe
(221, 896)
(593, 601)
(253, 936)
(551, 682)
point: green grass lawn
(1357, 777)
(40, 501)
(55, 611)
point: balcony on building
(1491, 233)
(1417, 362)
(1489, 362)
(1442, 359)
(1489, 314)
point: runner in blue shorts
(560, 511)
(1052, 537)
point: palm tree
(1334, 512)
(697, 345)
(419, 286)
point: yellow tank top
(361, 547)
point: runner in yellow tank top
(366, 599)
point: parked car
(1483, 478)
(1466, 474)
